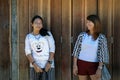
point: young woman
(90, 51)
(40, 50)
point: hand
(47, 67)
(75, 70)
(37, 68)
(98, 73)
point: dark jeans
(50, 75)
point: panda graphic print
(40, 46)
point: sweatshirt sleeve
(27, 45)
(77, 47)
(51, 42)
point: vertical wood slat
(106, 15)
(56, 24)
(81, 9)
(14, 41)
(32, 12)
(23, 24)
(4, 40)
(46, 12)
(35, 8)
(42, 8)
(116, 46)
(78, 20)
(90, 7)
(66, 40)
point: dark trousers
(50, 75)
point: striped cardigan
(102, 51)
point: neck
(91, 32)
(35, 32)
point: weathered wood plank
(14, 41)
(66, 40)
(91, 7)
(23, 24)
(116, 37)
(77, 22)
(106, 15)
(4, 40)
(56, 26)
(46, 12)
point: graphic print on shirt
(38, 47)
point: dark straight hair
(43, 31)
(97, 25)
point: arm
(103, 56)
(75, 68)
(100, 65)
(74, 62)
(76, 51)
(99, 70)
(29, 56)
(77, 46)
(31, 60)
(51, 44)
(103, 52)
(51, 57)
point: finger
(40, 70)
(46, 69)
(75, 73)
(98, 76)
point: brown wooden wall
(116, 36)
(4, 40)
(65, 19)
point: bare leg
(93, 77)
(83, 77)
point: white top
(40, 47)
(89, 49)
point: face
(37, 24)
(90, 25)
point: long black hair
(42, 31)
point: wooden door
(4, 40)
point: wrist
(49, 61)
(100, 67)
(74, 65)
(33, 62)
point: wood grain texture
(66, 39)
(4, 40)
(23, 25)
(56, 28)
(116, 44)
(66, 19)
